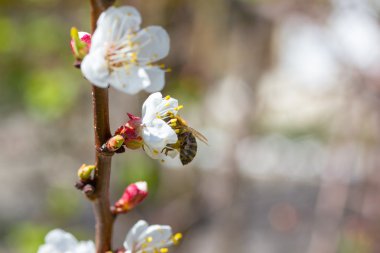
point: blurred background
(287, 92)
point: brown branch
(101, 203)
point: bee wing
(199, 136)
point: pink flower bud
(133, 195)
(80, 43)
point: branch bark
(101, 203)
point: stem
(101, 203)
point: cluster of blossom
(121, 55)
(141, 238)
(156, 131)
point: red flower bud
(131, 132)
(133, 195)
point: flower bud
(134, 143)
(86, 172)
(131, 132)
(80, 43)
(114, 143)
(133, 195)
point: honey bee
(187, 139)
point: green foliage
(62, 203)
(138, 168)
(8, 42)
(25, 237)
(43, 37)
(49, 94)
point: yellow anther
(164, 250)
(176, 238)
(133, 57)
(149, 239)
(162, 66)
(167, 104)
(177, 131)
(167, 97)
(178, 107)
(155, 151)
(168, 70)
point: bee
(187, 139)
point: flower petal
(85, 247)
(154, 44)
(61, 240)
(156, 136)
(149, 107)
(155, 106)
(94, 68)
(47, 248)
(153, 78)
(115, 23)
(126, 79)
(134, 233)
(159, 235)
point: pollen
(134, 57)
(178, 107)
(167, 97)
(155, 151)
(176, 238)
(149, 239)
(164, 250)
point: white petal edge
(134, 233)
(85, 247)
(61, 240)
(154, 44)
(112, 13)
(47, 248)
(114, 24)
(142, 186)
(160, 234)
(153, 79)
(94, 68)
(149, 107)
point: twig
(101, 203)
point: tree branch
(101, 203)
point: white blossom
(156, 132)
(121, 55)
(59, 241)
(149, 239)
